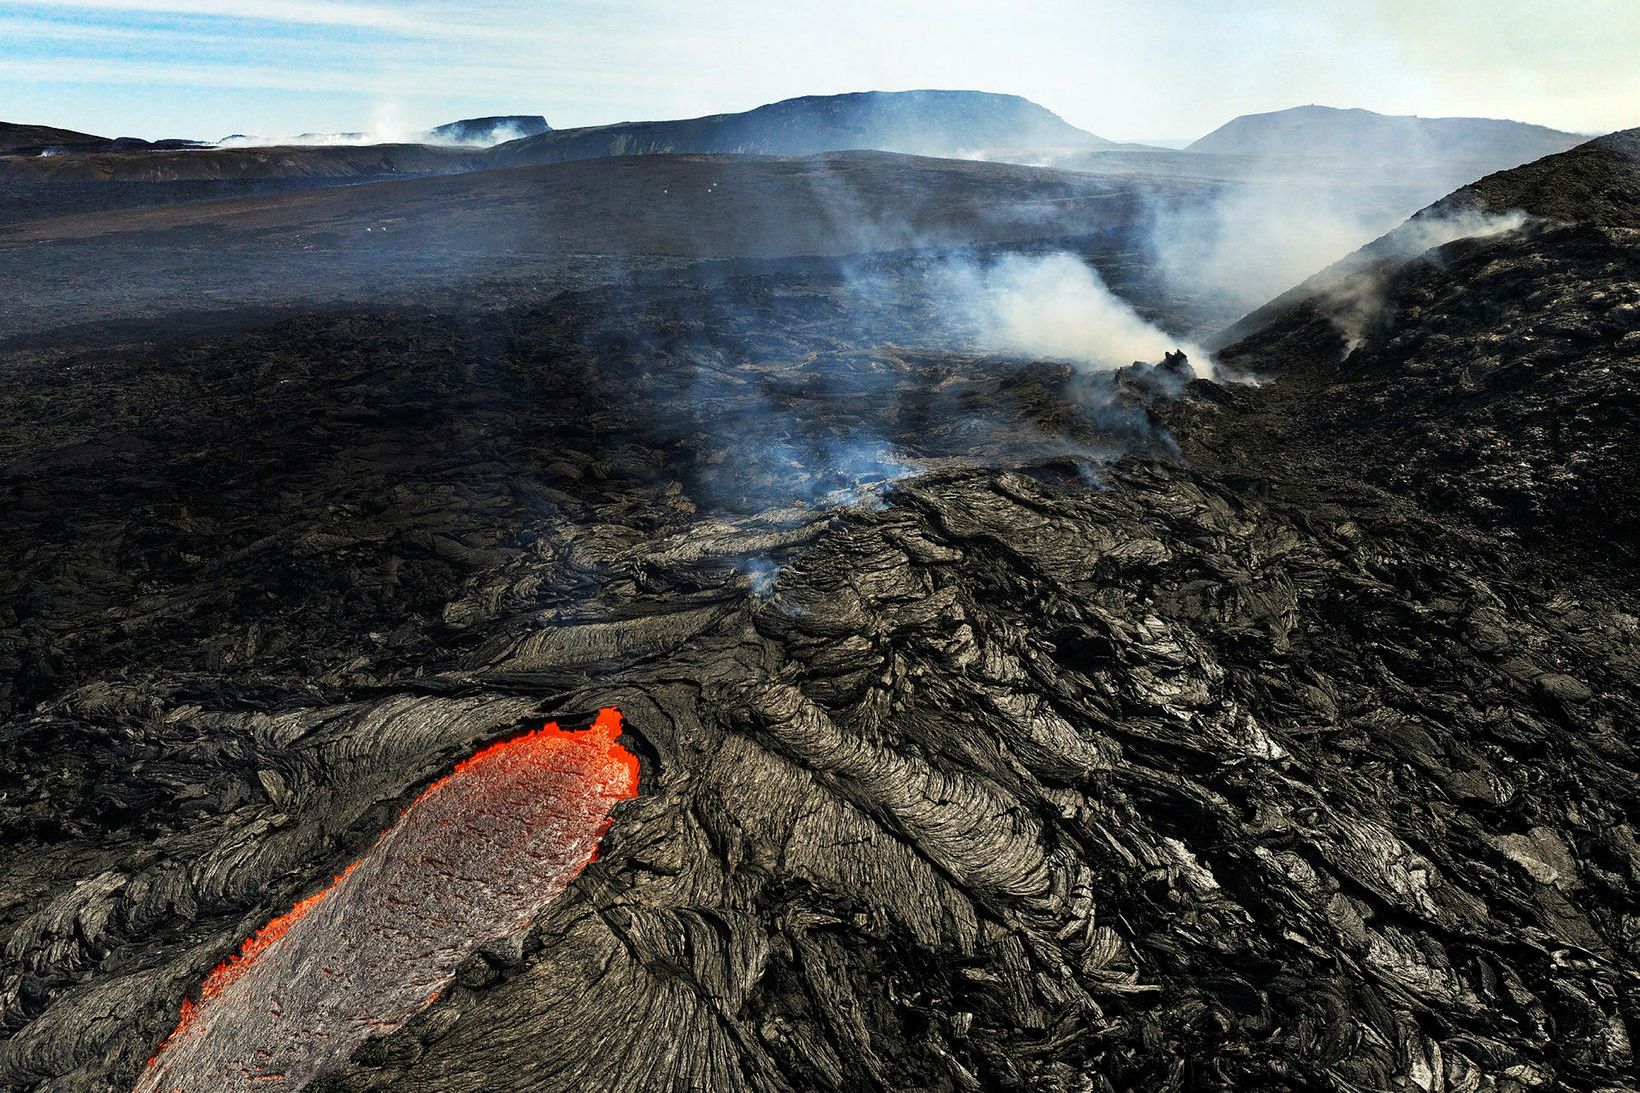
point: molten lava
(477, 855)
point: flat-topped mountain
(493, 130)
(1365, 135)
(930, 123)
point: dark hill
(933, 123)
(18, 138)
(96, 180)
(699, 206)
(380, 240)
(294, 161)
(1598, 182)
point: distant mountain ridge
(930, 123)
(16, 139)
(1355, 133)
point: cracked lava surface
(476, 856)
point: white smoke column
(1057, 306)
(387, 125)
(386, 128)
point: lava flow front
(475, 856)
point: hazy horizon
(1119, 68)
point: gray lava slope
(1274, 737)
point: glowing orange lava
(520, 817)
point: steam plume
(1058, 306)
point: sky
(1124, 69)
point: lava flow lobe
(475, 856)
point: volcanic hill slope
(1493, 376)
(998, 727)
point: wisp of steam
(1358, 299)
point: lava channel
(477, 855)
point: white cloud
(314, 12)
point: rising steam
(1254, 242)
(1057, 306)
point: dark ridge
(1595, 183)
(1485, 356)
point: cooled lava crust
(474, 858)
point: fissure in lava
(475, 856)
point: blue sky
(1122, 68)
